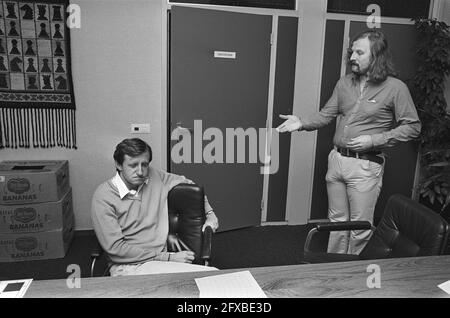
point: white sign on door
(224, 55)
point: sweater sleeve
(110, 236)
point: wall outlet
(140, 128)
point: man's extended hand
(182, 257)
(360, 143)
(292, 123)
(212, 221)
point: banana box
(36, 245)
(24, 182)
(36, 217)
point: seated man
(130, 215)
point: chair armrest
(97, 251)
(206, 244)
(336, 226)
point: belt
(371, 155)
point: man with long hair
(366, 102)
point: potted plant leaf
(427, 88)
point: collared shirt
(132, 227)
(370, 112)
(122, 187)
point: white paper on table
(445, 286)
(14, 288)
(233, 285)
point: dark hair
(132, 147)
(381, 65)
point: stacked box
(36, 210)
(33, 181)
(36, 245)
(38, 217)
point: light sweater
(134, 229)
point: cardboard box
(24, 182)
(37, 217)
(36, 246)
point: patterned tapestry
(37, 106)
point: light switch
(140, 128)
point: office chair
(186, 219)
(406, 229)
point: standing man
(130, 215)
(366, 103)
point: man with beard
(366, 102)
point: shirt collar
(122, 187)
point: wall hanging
(37, 105)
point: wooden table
(401, 277)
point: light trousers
(156, 267)
(353, 187)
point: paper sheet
(445, 286)
(14, 288)
(233, 285)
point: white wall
(306, 101)
(117, 71)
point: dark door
(213, 94)
(401, 161)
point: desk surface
(401, 277)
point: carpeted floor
(248, 247)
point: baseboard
(274, 223)
(81, 233)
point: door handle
(178, 126)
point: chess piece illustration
(29, 50)
(62, 82)
(13, 31)
(14, 63)
(3, 82)
(32, 83)
(30, 67)
(2, 64)
(2, 49)
(59, 68)
(28, 12)
(57, 34)
(47, 84)
(59, 51)
(42, 8)
(45, 68)
(11, 11)
(57, 13)
(43, 33)
(14, 49)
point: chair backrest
(407, 229)
(186, 218)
